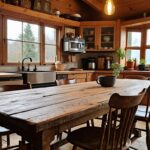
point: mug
(106, 81)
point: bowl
(106, 81)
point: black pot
(141, 67)
(106, 81)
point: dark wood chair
(148, 132)
(4, 131)
(139, 77)
(112, 135)
(143, 108)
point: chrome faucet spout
(23, 68)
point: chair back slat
(116, 133)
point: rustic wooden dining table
(39, 114)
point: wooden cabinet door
(89, 34)
(107, 38)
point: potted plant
(121, 53)
(142, 64)
(117, 68)
(130, 64)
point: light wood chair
(4, 131)
(113, 135)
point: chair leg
(0, 142)
(8, 139)
(74, 147)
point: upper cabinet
(100, 36)
(89, 36)
(107, 38)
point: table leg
(43, 139)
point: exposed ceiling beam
(96, 4)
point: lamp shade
(109, 7)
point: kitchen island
(39, 114)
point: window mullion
(42, 44)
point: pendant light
(109, 7)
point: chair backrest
(4, 88)
(116, 133)
(140, 77)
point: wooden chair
(139, 77)
(113, 135)
(4, 131)
(143, 108)
(148, 132)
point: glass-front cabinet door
(89, 36)
(106, 39)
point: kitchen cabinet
(10, 78)
(89, 34)
(107, 38)
(79, 77)
(100, 35)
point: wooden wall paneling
(60, 33)
(96, 4)
(7, 9)
(117, 34)
(1, 39)
(123, 38)
(136, 22)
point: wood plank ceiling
(125, 9)
(93, 9)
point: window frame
(44, 43)
(143, 46)
(41, 44)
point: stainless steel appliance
(40, 78)
(74, 45)
(107, 63)
(91, 63)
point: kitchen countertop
(7, 75)
(101, 71)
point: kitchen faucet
(23, 62)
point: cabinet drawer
(80, 75)
(80, 80)
(91, 77)
(71, 76)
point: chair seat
(88, 138)
(4, 131)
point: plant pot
(130, 65)
(106, 81)
(141, 67)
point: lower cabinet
(79, 77)
(92, 76)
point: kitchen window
(50, 44)
(133, 45)
(147, 52)
(138, 44)
(23, 40)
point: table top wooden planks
(40, 109)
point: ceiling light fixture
(109, 7)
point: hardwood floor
(139, 144)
